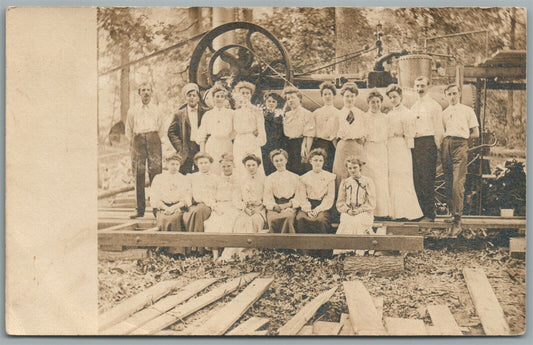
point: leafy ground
(433, 276)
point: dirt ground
(432, 276)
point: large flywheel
(240, 50)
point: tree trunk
(376, 265)
(124, 85)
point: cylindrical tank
(411, 67)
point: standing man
(144, 130)
(460, 123)
(184, 128)
(428, 136)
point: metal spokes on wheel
(242, 50)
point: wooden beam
(221, 320)
(249, 327)
(132, 304)
(326, 328)
(517, 247)
(487, 306)
(363, 314)
(182, 311)
(293, 326)
(491, 72)
(107, 194)
(398, 326)
(165, 304)
(405, 230)
(443, 320)
(129, 254)
(306, 330)
(376, 265)
(261, 240)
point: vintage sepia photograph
(311, 171)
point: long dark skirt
(173, 222)
(282, 222)
(319, 225)
(194, 219)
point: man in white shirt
(184, 128)
(144, 130)
(428, 136)
(460, 123)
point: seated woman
(224, 212)
(170, 198)
(316, 194)
(280, 192)
(203, 185)
(249, 199)
(356, 202)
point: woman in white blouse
(403, 199)
(215, 133)
(316, 194)
(351, 131)
(355, 202)
(325, 118)
(224, 211)
(280, 194)
(377, 168)
(249, 126)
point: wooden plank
(182, 311)
(306, 330)
(326, 328)
(376, 265)
(165, 304)
(221, 320)
(378, 303)
(128, 225)
(132, 304)
(364, 317)
(129, 254)
(347, 328)
(107, 194)
(443, 320)
(306, 313)
(406, 230)
(398, 326)
(517, 247)
(249, 327)
(261, 240)
(487, 306)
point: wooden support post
(222, 319)
(517, 247)
(165, 304)
(363, 314)
(443, 320)
(487, 306)
(293, 326)
(132, 304)
(249, 327)
(398, 326)
(180, 312)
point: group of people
(282, 168)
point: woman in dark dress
(274, 129)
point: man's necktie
(350, 118)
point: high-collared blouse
(251, 191)
(144, 118)
(299, 123)
(225, 188)
(247, 119)
(203, 187)
(282, 184)
(377, 125)
(356, 193)
(402, 124)
(169, 188)
(325, 118)
(217, 123)
(355, 130)
(317, 186)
